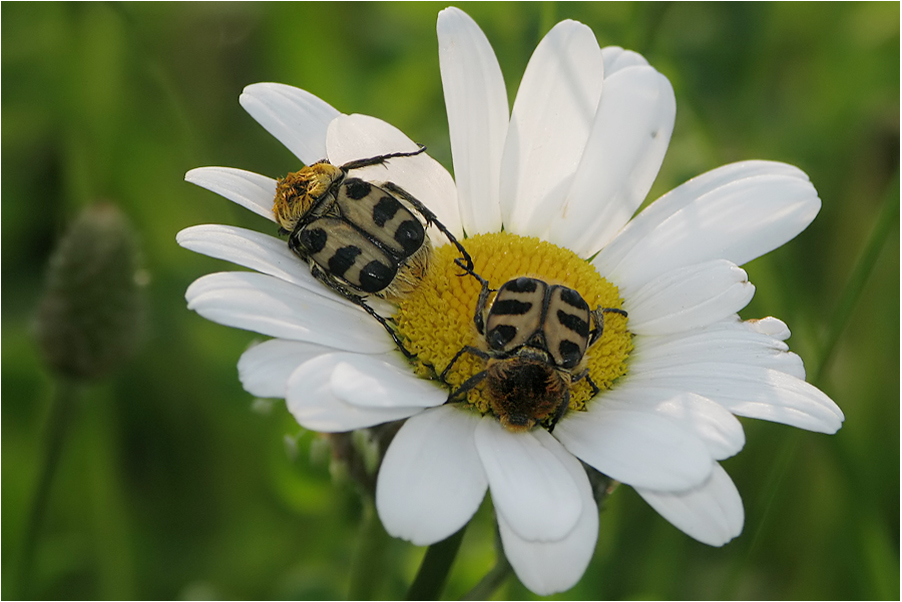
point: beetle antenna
(380, 159)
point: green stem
(367, 567)
(769, 494)
(492, 580)
(887, 219)
(430, 579)
(61, 411)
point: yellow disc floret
(436, 319)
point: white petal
(616, 58)
(688, 298)
(711, 513)
(250, 249)
(549, 126)
(770, 326)
(726, 342)
(624, 152)
(550, 567)
(310, 400)
(264, 368)
(530, 485)
(276, 308)
(353, 137)
(251, 191)
(639, 448)
(754, 392)
(431, 481)
(383, 381)
(682, 196)
(476, 102)
(717, 428)
(737, 212)
(293, 116)
(265, 254)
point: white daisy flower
(546, 190)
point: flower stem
(367, 567)
(61, 411)
(887, 219)
(492, 580)
(433, 573)
(769, 493)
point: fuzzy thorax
(298, 191)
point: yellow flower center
(436, 320)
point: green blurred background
(174, 483)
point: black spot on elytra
(521, 285)
(410, 235)
(356, 188)
(500, 335)
(385, 210)
(510, 307)
(574, 323)
(570, 354)
(375, 276)
(313, 239)
(343, 259)
(572, 298)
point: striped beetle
(358, 237)
(536, 336)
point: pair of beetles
(360, 239)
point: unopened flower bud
(90, 317)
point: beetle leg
(585, 374)
(464, 349)
(561, 409)
(598, 315)
(336, 286)
(469, 384)
(431, 219)
(596, 332)
(479, 316)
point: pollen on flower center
(436, 320)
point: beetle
(536, 335)
(359, 238)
